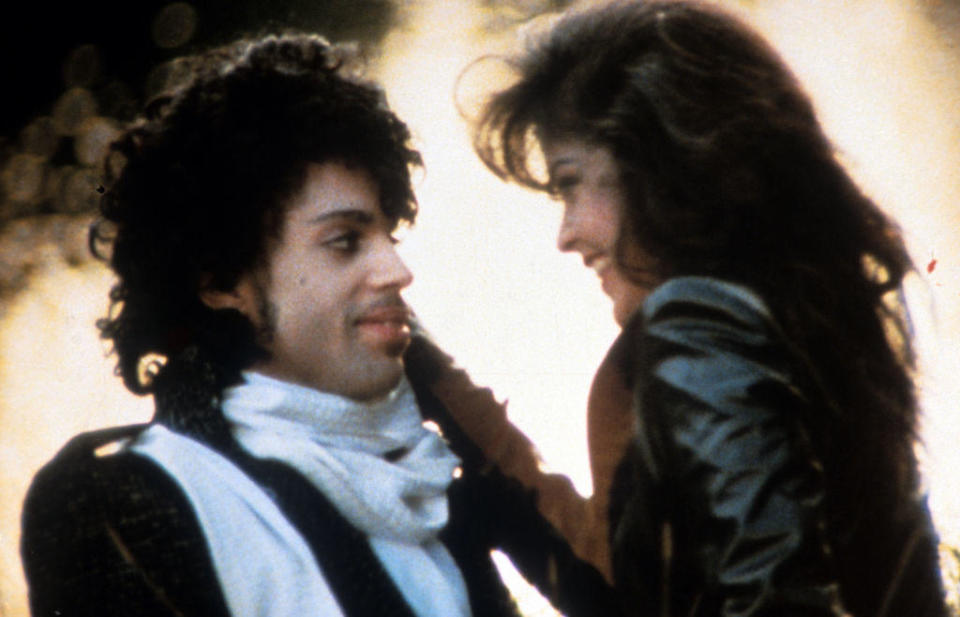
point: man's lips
(390, 323)
(386, 314)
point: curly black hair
(729, 174)
(208, 170)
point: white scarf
(338, 445)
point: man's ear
(242, 297)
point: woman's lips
(600, 265)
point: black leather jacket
(719, 505)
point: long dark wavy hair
(729, 174)
(208, 170)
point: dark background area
(74, 73)
(37, 39)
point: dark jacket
(719, 507)
(113, 534)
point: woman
(764, 356)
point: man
(287, 470)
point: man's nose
(390, 271)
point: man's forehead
(346, 213)
(334, 190)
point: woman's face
(587, 179)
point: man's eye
(347, 242)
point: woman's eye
(564, 184)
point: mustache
(388, 306)
(391, 301)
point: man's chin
(396, 349)
(380, 386)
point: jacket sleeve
(502, 514)
(535, 518)
(721, 427)
(112, 535)
(484, 422)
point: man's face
(328, 298)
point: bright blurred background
(524, 319)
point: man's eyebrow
(351, 214)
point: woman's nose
(567, 234)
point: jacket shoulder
(106, 531)
(712, 339)
(80, 476)
(86, 478)
(706, 304)
(723, 296)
